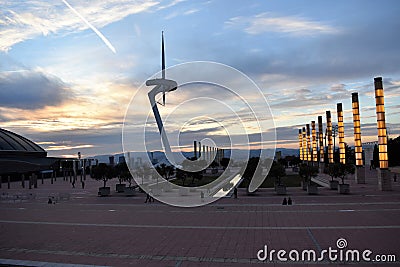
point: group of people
(287, 201)
(149, 198)
(73, 184)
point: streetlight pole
(318, 148)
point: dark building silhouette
(19, 155)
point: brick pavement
(124, 231)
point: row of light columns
(207, 153)
(310, 155)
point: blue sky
(61, 86)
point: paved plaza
(124, 231)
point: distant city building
(111, 160)
(138, 162)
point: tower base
(360, 175)
(384, 180)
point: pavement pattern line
(231, 211)
(204, 227)
(314, 240)
(10, 262)
(133, 256)
(179, 259)
(243, 204)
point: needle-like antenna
(162, 55)
(163, 62)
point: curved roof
(12, 144)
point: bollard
(30, 181)
(34, 180)
(42, 178)
(8, 182)
(23, 180)
(1, 181)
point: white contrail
(102, 37)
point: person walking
(149, 197)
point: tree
(191, 169)
(393, 151)
(350, 155)
(224, 162)
(165, 171)
(295, 161)
(283, 162)
(333, 170)
(278, 171)
(103, 172)
(250, 170)
(344, 170)
(123, 173)
(181, 175)
(214, 164)
(336, 155)
(307, 171)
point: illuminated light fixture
(321, 141)
(300, 144)
(384, 177)
(380, 115)
(308, 142)
(304, 144)
(330, 141)
(357, 129)
(342, 148)
(314, 142)
(360, 171)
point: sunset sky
(62, 86)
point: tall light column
(384, 180)
(194, 149)
(308, 143)
(314, 143)
(304, 144)
(321, 140)
(330, 144)
(300, 145)
(342, 148)
(360, 170)
(199, 150)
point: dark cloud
(362, 49)
(31, 90)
